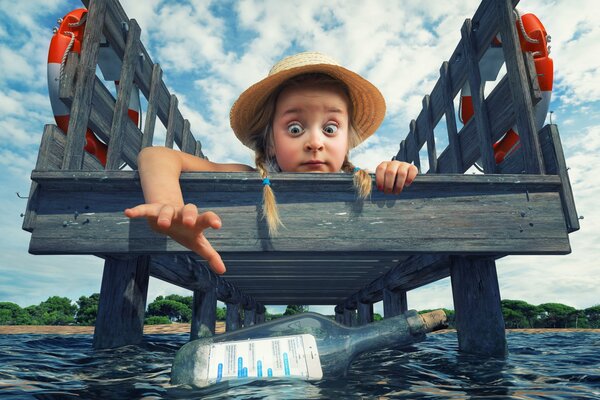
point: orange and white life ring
(68, 37)
(533, 38)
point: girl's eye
(295, 129)
(330, 129)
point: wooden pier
(446, 224)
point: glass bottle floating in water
(306, 346)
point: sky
(210, 51)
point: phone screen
(294, 356)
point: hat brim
(368, 104)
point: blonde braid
(270, 211)
(362, 180)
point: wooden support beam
(152, 106)
(120, 319)
(204, 309)
(394, 302)
(479, 320)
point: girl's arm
(164, 207)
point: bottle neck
(400, 330)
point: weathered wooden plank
(120, 319)
(172, 124)
(394, 302)
(476, 297)
(204, 315)
(150, 122)
(82, 100)
(521, 94)
(481, 115)
(117, 133)
(510, 214)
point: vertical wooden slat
(204, 314)
(120, 319)
(117, 133)
(170, 139)
(232, 317)
(431, 153)
(479, 106)
(198, 150)
(476, 295)
(86, 74)
(394, 302)
(365, 313)
(453, 142)
(150, 122)
(188, 144)
(520, 90)
(414, 150)
(558, 166)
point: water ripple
(540, 366)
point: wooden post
(349, 317)
(394, 302)
(365, 313)
(204, 314)
(120, 319)
(232, 318)
(479, 320)
(249, 317)
(339, 314)
(260, 314)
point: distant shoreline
(185, 328)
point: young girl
(305, 116)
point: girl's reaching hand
(392, 176)
(184, 225)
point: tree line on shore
(175, 308)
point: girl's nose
(314, 140)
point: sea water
(563, 365)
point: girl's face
(310, 129)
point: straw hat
(368, 103)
